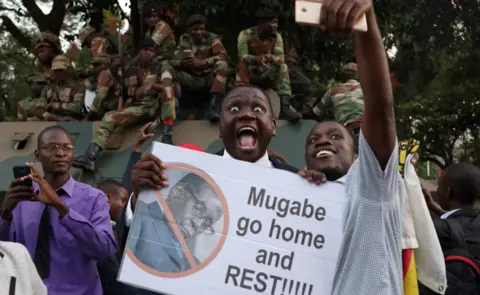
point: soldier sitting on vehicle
(107, 88)
(201, 62)
(26, 107)
(345, 101)
(62, 99)
(262, 61)
(47, 47)
(142, 105)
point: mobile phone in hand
(21, 171)
(307, 12)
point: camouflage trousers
(168, 112)
(26, 109)
(303, 90)
(216, 80)
(269, 76)
(131, 115)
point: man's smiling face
(246, 123)
(330, 150)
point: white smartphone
(307, 12)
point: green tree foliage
(435, 62)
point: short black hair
(265, 14)
(110, 186)
(51, 129)
(463, 179)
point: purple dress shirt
(80, 239)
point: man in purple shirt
(64, 224)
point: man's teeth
(324, 152)
(246, 129)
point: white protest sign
(230, 227)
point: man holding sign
(370, 260)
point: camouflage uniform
(26, 107)
(62, 100)
(303, 89)
(136, 111)
(46, 39)
(163, 36)
(107, 88)
(212, 51)
(250, 46)
(346, 102)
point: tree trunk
(136, 24)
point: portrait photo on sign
(178, 230)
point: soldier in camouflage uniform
(142, 105)
(106, 87)
(47, 47)
(160, 32)
(26, 107)
(201, 61)
(303, 90)
(344, 100)
(98, 42)
(262, 61)
(62, 99)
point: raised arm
(378, 124)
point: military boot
(287, 112)
(167, 134)
(87, 160)
(212, 114)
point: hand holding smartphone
(22, 171)
(307, 12)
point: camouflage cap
(36, 78)
(61, 62)
(47, 39)
(101, 59)
(84, 33)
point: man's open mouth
(247, 138)
(324, 153)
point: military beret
(101, 58)
(266, 14)
(196, 19)
(47, 39)
(148, 9)
(61, 62)
(146, 43)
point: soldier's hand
(339, 16)
(268, 58)
(16, 193)
(148, 173)
(142, 135)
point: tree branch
(17, 11)
(58, 15)
(33, 9)
(21, 38)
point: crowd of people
(62, 236)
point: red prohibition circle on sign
(194, 267)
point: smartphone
(307, 12)
(21, 171)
